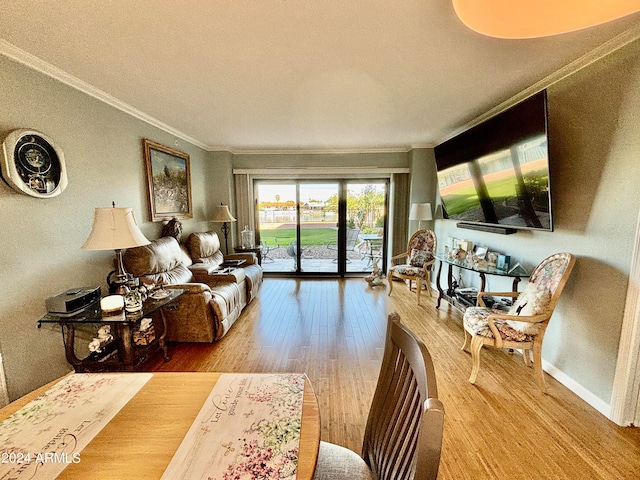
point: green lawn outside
(310, 236)
(465, 198)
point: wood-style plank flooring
(501, 428)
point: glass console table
(516, 273)
(122, 353)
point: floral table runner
(49, 433)
(248, 428)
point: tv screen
(497, 173)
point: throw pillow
(418, 257)
(532, 301)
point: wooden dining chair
(524, 325)
(403, 437)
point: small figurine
(376, 278)
(104, 337)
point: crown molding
(11, 51)
(625, 38)
(282, 172)
(314, 151)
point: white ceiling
(266, 75)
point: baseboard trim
(600, 405)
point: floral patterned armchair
(524, 325)
(418, 261)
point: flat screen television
(497, 173)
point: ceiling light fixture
(538, 18)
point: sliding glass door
(328, 227)
(366, 214)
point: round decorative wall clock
(33, 164)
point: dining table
(159, 425)
(373, 246)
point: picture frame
(503, 262)
(465, 245)
(480, 252)
(168, 182)
(492, 259)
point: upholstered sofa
(204, 251)
(208, 309)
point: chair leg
(467, 342)
(390, 282)
(537, 366)
(476, 347)
(526, 356)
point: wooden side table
(256, 250)
(122, 353)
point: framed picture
(480, 252)
(503, 262)
(492, 259)
(168, 182)
(465, 245)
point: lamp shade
(113, 229)
(222, 214)
(538, 18)
(420, 211)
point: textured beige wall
(595, 140)
(40, 239)
(594, 125)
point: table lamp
(222, 215)
(420, 212)
(114, 229)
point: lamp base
(119, 285)
(119, 288)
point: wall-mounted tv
(497, 173)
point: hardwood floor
(501, 428)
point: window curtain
(244, 201)
(399, 220)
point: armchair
(418, 261)
(352, 242)
(524, 325)
(265, 249)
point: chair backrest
(552, 273)
(352, 238)
(161, 262)
(421, 247)
(403, 437)
(204, 247)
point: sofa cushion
(227, 302)
(162, 262)
(254, 280)
(204, 247)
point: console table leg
(516, 280)
(440, 291)
(161, 341)
(69, 334)
(126, 339)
